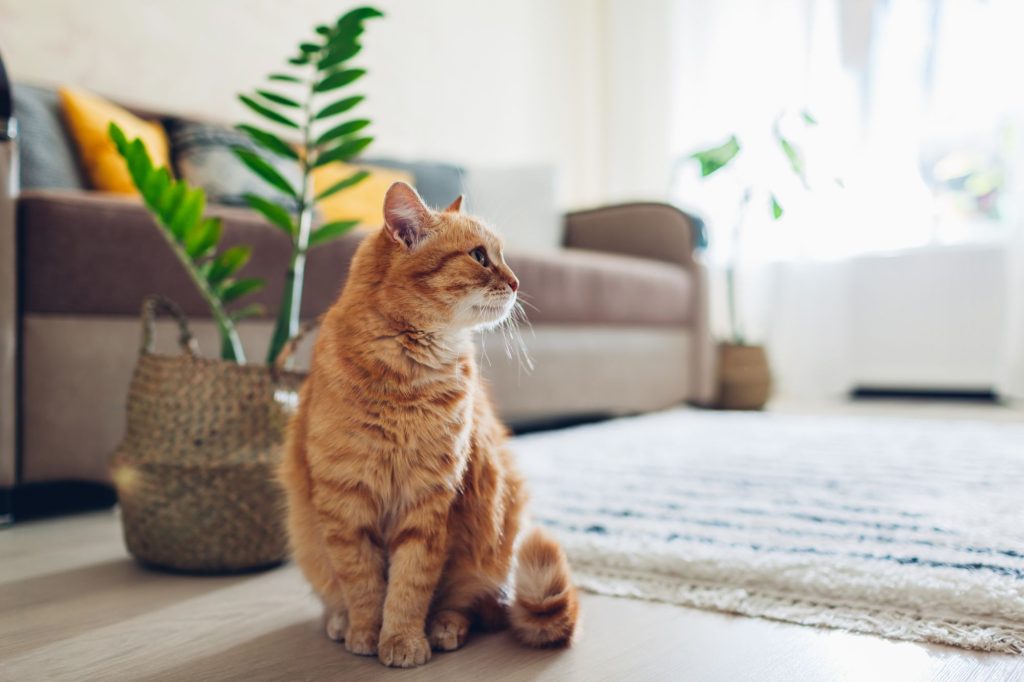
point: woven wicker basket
(195, 473)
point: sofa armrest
(664, 233)
(648, 230)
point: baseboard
(41, 500)
(952, 395)
(519, 427)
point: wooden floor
(73, 606)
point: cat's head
(445, 268)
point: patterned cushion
(45, 153)
(202, 154)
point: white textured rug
(910, 529)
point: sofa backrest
(519, 200)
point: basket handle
(151, 306)
(291, 345)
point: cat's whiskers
(524, 299)
(514, 343)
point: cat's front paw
(404, 650)
(362, 640)
(448, 630)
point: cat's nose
(513, 282)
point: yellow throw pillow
(89, 116)
(363, 202)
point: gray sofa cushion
(46, 155)
(437, 183)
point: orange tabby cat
(403, 500)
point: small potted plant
(744, 374)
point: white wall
(637, 99)
(503, 81)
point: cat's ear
(456, 205)
(406, 217)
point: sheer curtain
(918, 113)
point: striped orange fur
(403, 500)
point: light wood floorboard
(74, 606)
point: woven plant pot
(195, 473)
(744, 378)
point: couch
(619, 319)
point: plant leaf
(323, 29)
(236, 290)
(338, 55)
(359, 14)
(796, 161)
(139, 165)
(228, 262)
(715, 158)
(344, 151)
(251, 310)
(203, 237)
(263, 169)
(342, 130)
(341, 106)
(267, 112)
(284, 78)
(299, 61)
(276, 214)
(350, 181)
(808, 119)
(173, 196)
(186, 216)
(278, 99)
(155, 186)
(310, 48)
(776, 209)
(117, 135)
(338, 79)
(269, 141)
(331, 231)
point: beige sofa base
(76, 372)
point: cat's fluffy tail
(546, 605)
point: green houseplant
(313, 109)
(177, 210)
(316, 113)
(744, 373)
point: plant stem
(230, 344)
(287, 324)
(735, 330)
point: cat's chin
(490, 316)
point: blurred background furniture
(616, 297)
(8, 299)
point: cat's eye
(479, 254)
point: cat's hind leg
(464, 599)
(315, 564)
(309, 553)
